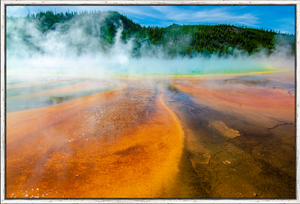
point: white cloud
(218, 15)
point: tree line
(175, 40)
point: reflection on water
(251, 80)
(158, 138)
(37, 88)
(59, 99)
(41, 95)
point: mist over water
(67, 49)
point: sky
(278, 18)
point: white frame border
(144, 2)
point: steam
(67, 49)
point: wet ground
(240, 135)
(224, 137)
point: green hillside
(174, 40)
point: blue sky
(279, 18)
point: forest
(174, 40)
